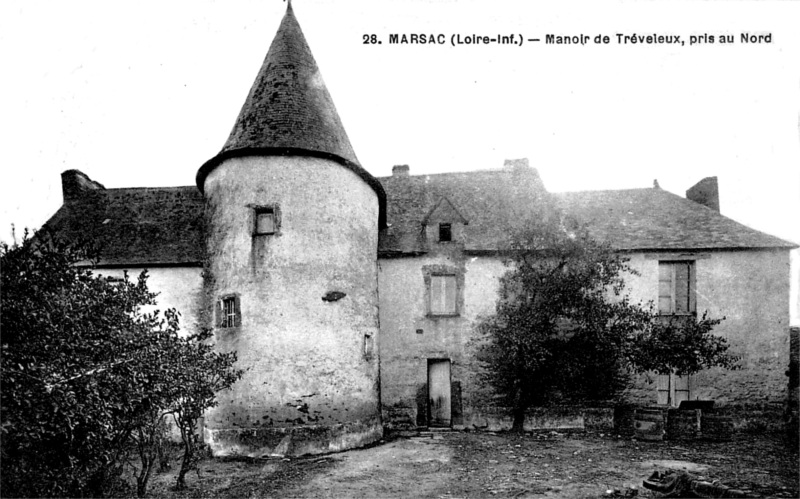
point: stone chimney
(527, 182)
(75, 183)
(516, 164)
(705, 192)
(400, 171)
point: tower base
(292, 441)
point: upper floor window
(266, 222)
(445, 233)
(676, 294)
(443, 295)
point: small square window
(265, 221)
(445, 233)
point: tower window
(445, 233)
(229, 312)
(265, 221)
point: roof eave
(376, 186)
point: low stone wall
(754, 418)
(542, 418)
(618, 419)
(719, 423)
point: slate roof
(137, 226)
(485, 199)
(290, 112)
(654, 219)
(164, 226)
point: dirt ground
(471, 465)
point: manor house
(351, 299)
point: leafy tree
(563, 328)
(200, 373)
(85, 371)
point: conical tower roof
(289, 112)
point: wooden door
(674, 389)
(682, 389)
(439, 392)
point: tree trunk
(186, 465)
(146, 457)
(189, 457)
(143, 478)
(519, 420)
(518, 412)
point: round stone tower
(292, 224)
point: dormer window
(266, 222)
(443, 224)
(445, 233)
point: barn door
(439, 392)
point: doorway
(674, 389)
(439, 402)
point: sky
(142, 93)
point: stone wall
(793, 406)
(180, 288)
(311, 380)
(751, 290)
(410, 336)
(542, 418)
(794, 367)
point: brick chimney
(705, 192)
(400, 171)
(75, 183)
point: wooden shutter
(443, 295)
(681, 270)
(220, 313)
(663, 389)
(682, 389)
(665, 281)
(676, 288)
(437, 295)
(237, 303)
(450, 294)
(692, 287)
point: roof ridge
(169, 187)
(614, 190)
(464, 172)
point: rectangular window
(229, 312)
(445, 233)
(676, 288)
(676, 296)
(443, 295)
(265, 221)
